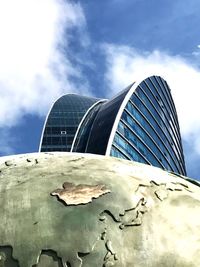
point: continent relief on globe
(83, 210)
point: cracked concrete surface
(139, 215)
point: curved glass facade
(102, 124)
(84, 132)
(148, 129)
(138, 124)
(62, 122)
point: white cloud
(125, 65)
(33, 70)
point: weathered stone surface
(116, 213)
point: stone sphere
(82, 210)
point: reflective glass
(160, 119)
(155, 132)
(116, 153)
(63, 121)
(160, 91)
(147, 131)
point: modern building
(62, 122)
(138, 124)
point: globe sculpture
(74, 210)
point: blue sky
(52, 47)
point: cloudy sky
(52, 47)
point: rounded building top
(139, 124)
